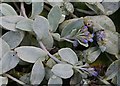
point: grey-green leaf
(3, 81)
(112, 70)
(112, 42)
(110, 7)
(38, 73)
(7, 10)
(13, 39)
(97, 7)
(118, 76)
(25, 25)
(63, 70)
(71, 24)
(48, 41)
(8, 62)
(58, 3)
(9, 22)
(55, 80)
(30, 54)
(91, 54)
(54, 17)
(37, 8)
(41, 28)
(4, 48)
(102, 22)
(68, 55)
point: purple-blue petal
(75, 43)
(85, 27)
(91, 40)
(94, 73)
(86, 33)
(93, 34)
(85, 41)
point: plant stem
(18, 10)
(23, 10)
(86, 12)
(66, 39)
(51, 56)
(104, 81)
(14, 79)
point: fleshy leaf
(54, 17)
(105, 7)
(38, 73)
(9, 22)
(97, 7)
(8, 62)
(58, 3)
(110, 7)
(41, 28)
(37, 8)
(102, 22)
(112, 70)
(25, 25)
(68, 55)
(63, 70)
(71, 24)
(13, 39)
(30, 54)
(55, 80)
(4, 48)
(91, 54)
(118, 75)
(7, 10)
(112, 41)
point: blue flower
(84, 35)
(85, 28)
(75, 43)
(81, 36)
(94, 73)
(85, 41)
(91, 40)
(100, 35)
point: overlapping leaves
(41, 28)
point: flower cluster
(84, 36)
(101, 37)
